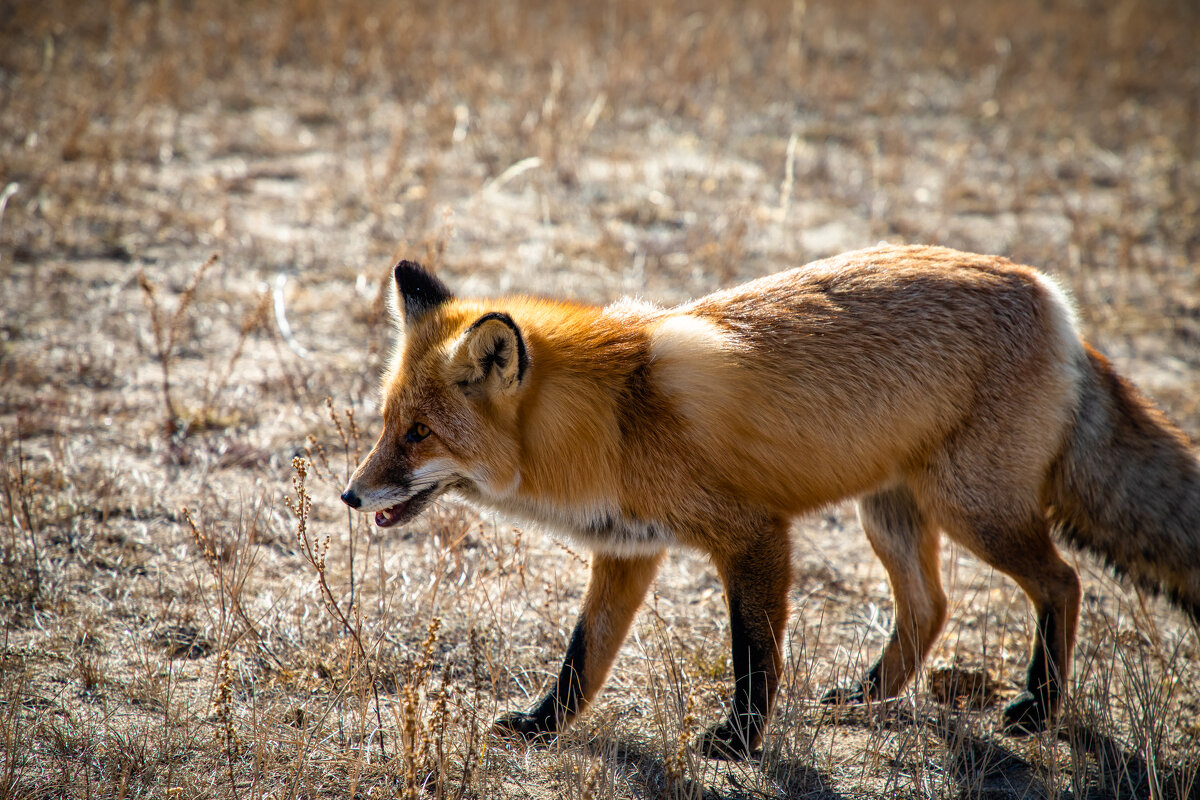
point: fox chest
(618, 534)
(600, 529)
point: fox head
(450, 401)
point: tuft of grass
(20, 558)
(167, 330)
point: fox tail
(1127, 487)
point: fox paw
(1025, 716)
(728, 743)
(845, 695)
(531, 727)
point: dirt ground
(200, 206)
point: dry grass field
(200, 205)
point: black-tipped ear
(419, 290)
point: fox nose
(351, 499)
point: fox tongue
(390, 516)
(403, 512)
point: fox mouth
(403, 512)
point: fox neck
(583, 399)
(601, 525)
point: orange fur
(948, 389)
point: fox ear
(418, 290)
(491, 355)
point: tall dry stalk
(18, 488)
(166, 329)
(315, 552)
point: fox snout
(380, 481)
(384, 484)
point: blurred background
(607, 148)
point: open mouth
(403, 512)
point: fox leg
(757, 578)
(907, 544)
(1052, 585)
(615, 590)
(1019, 545)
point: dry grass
(265, 642)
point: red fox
(949, 392)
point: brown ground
(662, 149)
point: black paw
(531, 727)
(1026, 716)
(728, 742)
(845, 695)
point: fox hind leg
(907, 543)
(1053, 588)
(1015, 538)
(615, 590)
(983, 486)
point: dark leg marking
(860, 692)
(561, 703)
(1033, 709)
(755, 678)
(756, 580)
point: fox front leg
(757, 579)
(615, 591)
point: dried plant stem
(222, 702)
(229, 586)
(252, 320)
(166, 332)
(314, 553)
(17, 488)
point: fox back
(629, 424)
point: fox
(948, 392)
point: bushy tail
(1127, 487)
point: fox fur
(950, 392)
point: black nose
(351, 499)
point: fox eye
(417, 432)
